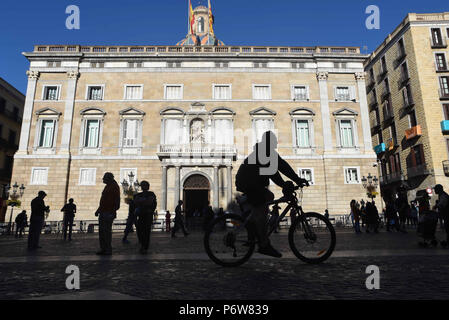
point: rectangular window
(394, 163)
(133, 92)
(300, 93)
(302, 134)
(47, 133)
(393, 134)
(222, 92)
(261, 126)
(51, 93)
(371, 75)
(173, 92)
(444, 86)
(412, 119)
(343, 94)
(352, 176)
(417, 156)
(2, 105)
(307, 174)
(407, 96)
(437, 39)
(380, 137)
(383, 65)
(261, 92)
(92, 133)
(95, 93)
(130, 133)
(401, 47)
(39, 176)
(172, 131)
(346, 134)
(441, 61)
(224, 134)
(404, 72)
(87, 176)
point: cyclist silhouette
(253, 179)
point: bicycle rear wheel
(312, 238)
(228, 242)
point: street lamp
(370, 183)
(17, 193)
(130, 188)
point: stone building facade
(184, 118)
(11, 110)
(408, 94)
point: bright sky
(164, 22)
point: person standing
(208, 214)
(21, 223)
(179, 223)
(145, 203)
(443, 210)
(167, 221)
(69, 210)
(107, 212)
(38, 210)
(391, 214)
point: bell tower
(201, 25)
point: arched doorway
(196, 197)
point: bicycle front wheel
(312, 238)
(228, 242)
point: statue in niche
(197, 132)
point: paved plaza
(179, 269)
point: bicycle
(230, 241)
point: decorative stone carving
(73, 74)
(33, 75)
(359, 76)
(322, 76)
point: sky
(149, 22)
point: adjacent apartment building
(11, 110)
(184, 117)
(408, 97)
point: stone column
(68, 111)
(325, 113)
(364, 112)
(164, 189)
(229, 181)
(216, 185)
(177, 184)
(33, 76)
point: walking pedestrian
(372, 218)
(131, 220)
(414, 213)
(402, 208)
(167, 221)
(145, 203)
(69, 210)
(355, 214)
(391, 214)
(179, 223)
(107, 212)
(38, 210)
(443, 210)
(21, 223)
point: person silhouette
(253, 179)
(179, 222)
(69, 210)
(21, 223)
(107, 212)
(37, 218)
(145, 203)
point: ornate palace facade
(184, 117)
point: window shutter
(352, 92)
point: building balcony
(403, 80)
(197, 150)
(391, 178)
(385, 95)
(446, 167)
(381, 148)
(413, 132)
(373, 104)
(400, 57)
(391, 144)
(444, 94)
(417, 171)
(445, 126)
(370, 85)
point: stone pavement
(179, 269)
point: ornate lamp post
(370, 183)
(130, 189)
(16, 194)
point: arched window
(46, 130)
(197, 131)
